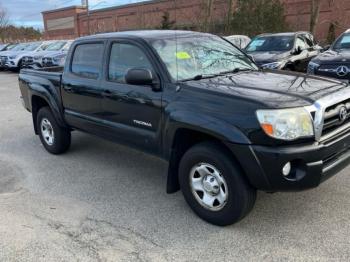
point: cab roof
(284, 33)
(143, 34)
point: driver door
(132, 112)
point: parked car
(35, 59)
(289, 51)
(54, 59)
(6, 47)
(15, 58)
(226, 127)
(240, 41)
(4, 56)
(335, 62)
(57, 58)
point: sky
(28, 12)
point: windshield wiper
(236, 70)
(203, 76)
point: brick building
(75, 21)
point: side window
(87, 60)
(122, 58)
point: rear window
(87, 60)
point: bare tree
(229, 15)
(208, 11)
(314, 15)
(4, 22)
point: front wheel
(54, 138)
(213, 185)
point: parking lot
(105, 202)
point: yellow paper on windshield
(183, 55)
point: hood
(272, 89)
(37, 53)
(4, 53)
(31, 54)
(333, 56)
(10, 53)
(269, 57)
(55, 53)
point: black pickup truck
(226, 127)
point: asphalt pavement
(105, 202)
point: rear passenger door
(81, 91)
(133, 112)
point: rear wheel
(213, 185)
(54, 138)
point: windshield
(189, 56)
(271, 43)
(32, 46)
(11, 46)
(19, 47)
(56, 46)
(342, 43)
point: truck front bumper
(311, 164)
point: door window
(122, 58)
(87, 60)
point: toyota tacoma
(226, 127)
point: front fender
(209, 125)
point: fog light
(286, 169)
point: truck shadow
(149, 175)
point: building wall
(62, 23)
(298, 16)
(186, 13)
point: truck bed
(39, 81)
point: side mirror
(140, 76)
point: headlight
(274, 65)
(13, 56)
(59, 60)
(286, 124)
(312, 67)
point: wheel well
(290, 66)
(183, 140)
(37, 104)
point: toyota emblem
(342, 70)
(343, 114)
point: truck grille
(336, 116)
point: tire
(215, 161)
(54, 138)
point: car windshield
(271, 43)
(11, 46)
(32, 46)
(19, 47)
(343, 42)
(188, 56)
(56, 46)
